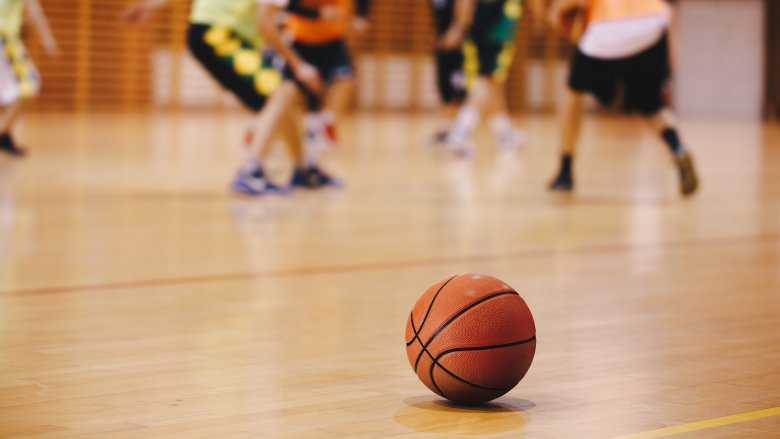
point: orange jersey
(617, 9)
(317, 30)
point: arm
(464, 14)
(37, 17)
(140, 11)
(560, 7)
(266, 21)
(360, 20)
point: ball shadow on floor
(436, 415)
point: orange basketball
(470, 338)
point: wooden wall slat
(106, 65)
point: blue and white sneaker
(313, 178)
(255, 183)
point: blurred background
(730, 54)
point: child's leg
(665, 124)
(571, 121)
(340, 96)
(8, 116)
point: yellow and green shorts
(236, 63)
(490, 48)
(18, 77)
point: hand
(453, 38)
(360, 25)
(331, 13)
(138, 13)
(308, 76)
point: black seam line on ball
(479, 348)
(453, 318)
(484, 348)
(409, 343)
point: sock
(313, 125)
(500, 123)
(328, 122)
(566, 162)
(5, 139)
(327, 117)
(465, 123)
(672, 140)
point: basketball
(470, 338)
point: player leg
(586, 75)
(240, 67)
(8, 115)
(646, 75)
(451, 84)
(308, 173)
(18, 80)
(571, 121)
(489, 54)
(335, 64)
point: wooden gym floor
(138, 298)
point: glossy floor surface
(139, 298)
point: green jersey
(237, 15)
(11, 12)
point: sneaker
(510, 139)
(313, 178)
(461, 147)
(562, 183)
(8, 146)
(689, 182)
(440, 137)
(255, 184)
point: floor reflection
(435, 415)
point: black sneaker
(689, 182)
(313, 178)
(8, 146)
(562, 183)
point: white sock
(465, 123)
(327, 117)
(313, 124)
(501, 123)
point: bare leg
(478, 102)
(571, 121)
(340, 95)
(8, 116)
(267, 122)
(251, 178)
(665, 124)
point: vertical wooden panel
(773, 58)
(106, 65)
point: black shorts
(450, 77)
(332, 61)
(642, 76)
(491, 46)
(235, 62)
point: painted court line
(701, 425)
(389, 265)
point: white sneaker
(510, 139)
